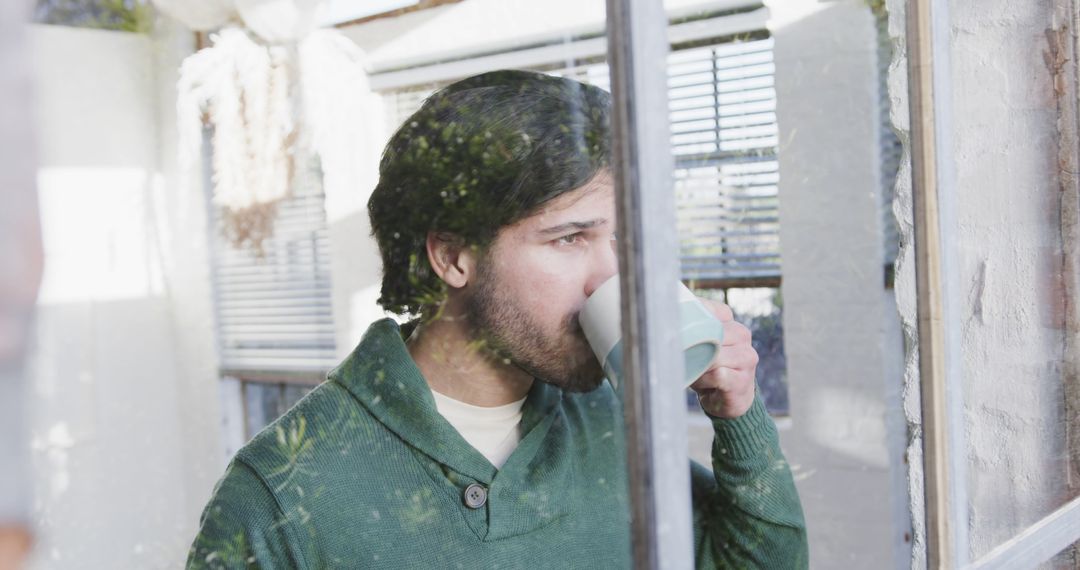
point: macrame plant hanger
(277, 92)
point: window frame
(941, 384)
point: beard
(561, 358)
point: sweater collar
(382, 375)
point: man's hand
(726, 389)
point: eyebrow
(578, 226)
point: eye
(569, 239)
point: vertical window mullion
(653, 401)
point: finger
(730, 363)
(719, 310)
(736, 333)
(739, 357)
(739, 353)
(725, 380)
(737, 382)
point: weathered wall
(904, 284)
(841, 328)
(124, 374)
(1006, 238)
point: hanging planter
(257, 84)
(245, 89)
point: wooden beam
(422, 5)
(940, 387)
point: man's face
(534, 280)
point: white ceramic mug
(701, 333)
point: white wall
(1006, 239)
(124, 373)
(355, 265)
(841, 328)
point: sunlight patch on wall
(99, 235)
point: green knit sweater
(365, 473)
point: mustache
(572, 322)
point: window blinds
(274, 311)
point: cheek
(547, 289)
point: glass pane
(782, 172)
(800, 196)
(786, 129)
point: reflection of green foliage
(293, 447)
(227, 552)
(420, 508)
(343, 480)
(119, 15)
(479, 155)
(877, 7)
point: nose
(605, 264)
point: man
(481, 435)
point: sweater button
(475, 496)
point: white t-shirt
(494, 432)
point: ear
(453, 261)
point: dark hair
(479, 155)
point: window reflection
(785, 165)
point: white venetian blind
(724, 139)
(274, 311)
